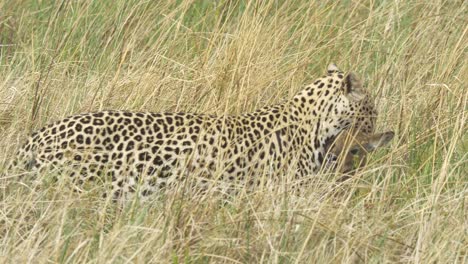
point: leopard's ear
(353, 88)
(332, 68)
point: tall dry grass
(227, 57)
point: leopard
(143, 153)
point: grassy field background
(410, 204)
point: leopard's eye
(331, 158)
